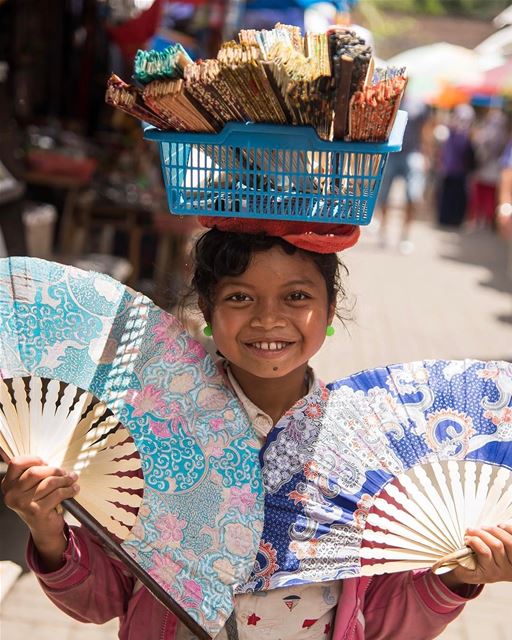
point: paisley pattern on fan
(328, 458)
(197, 529)
(85, 437)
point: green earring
(329, 331)
(208, 330)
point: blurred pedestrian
(489, 141)
(409, 164)
(504, 208)
(457, 162)
(309, 15)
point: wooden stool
(103, 220)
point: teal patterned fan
(96, 378)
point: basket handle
(307, 138)
(237, 134)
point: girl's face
(271, 319)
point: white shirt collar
(261, 422)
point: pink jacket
(94, 587)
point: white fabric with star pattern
(302, 612)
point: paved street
(448, 299)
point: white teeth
(270, 346)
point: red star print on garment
(253, 619)
(307, 624)
(327, 628)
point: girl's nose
(267, 315)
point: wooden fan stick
(160, 594)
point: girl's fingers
(52, 500)
(483, 552)
(48, 485)
(17, 466)
(495, 544)
(490, 551)
(31, 477)
(503, 533)
(28, 480)
(24, 477)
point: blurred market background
(79, 185)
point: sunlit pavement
(448, 298)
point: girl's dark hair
(220, 253)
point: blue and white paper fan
(384, 470)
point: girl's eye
(238, 297)
(297, 296)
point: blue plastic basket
(273, 171)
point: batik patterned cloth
(200, 522)
(326, 460)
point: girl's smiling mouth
(268, 347)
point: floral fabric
(198, 528)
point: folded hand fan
(95, 378)
(384, 471)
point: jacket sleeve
(91, 586)
(414, 605)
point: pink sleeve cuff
(76, 563)
(438, 597)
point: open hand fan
(95, 378)
(383, 471)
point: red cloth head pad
(318, 237)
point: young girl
(268, 297)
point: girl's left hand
(493, 550)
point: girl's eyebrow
(301, 281)
(234, 283)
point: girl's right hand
(34, 491)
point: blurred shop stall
(78, 183)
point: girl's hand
(493, 549)
(34, 491)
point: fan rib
(410, 542)
(440, 515)
(7, 442)
(32, 405)
(470, 514)
(23, 410)
(12, 425)
(115, 520)
(419, 508)
(498, 506)
(414, 531)
(457, 492)
(494, 495)
(394, 566)
(482, 491)
(445, 498)
(396, 553)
